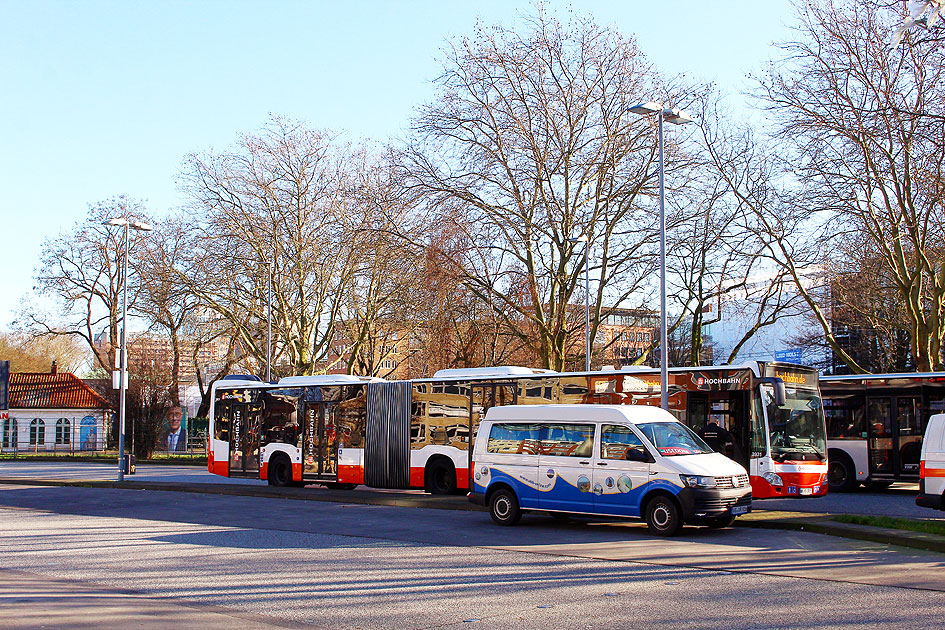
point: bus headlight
(774, 479)
(698, 481)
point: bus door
(908, 435)
(321, 440)
(244, 420)
(880, 434)
(730, 410)
(483, 397)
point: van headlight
(774, 479)
(698, 481)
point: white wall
(86, 430)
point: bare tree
(530, 146)
(79, 281)
(863, 144)
(277, 200)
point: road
(898, 500)
(207, 561)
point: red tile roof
(30, 390)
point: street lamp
(268, 322)
(676, 117)
(587, 305)
(122, 360)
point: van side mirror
(639, 455)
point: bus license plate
(806, 491)
(739, 509)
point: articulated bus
(343, 431)
(875, 424)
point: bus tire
(440, 476)
(280, 471)
(503, 507)
(841, 473)
(663, 516)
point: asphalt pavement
(813, 515)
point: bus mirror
(780, 392)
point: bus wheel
(503, 507)
(280, 471)
(440, 477)
(663, 516)
(841, 475)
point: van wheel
(503, 507)
(841, 475)
(663, 516)
(280, 471)
(440, 477)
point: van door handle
(654, 473)
(584, 463)
(601, 463)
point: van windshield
(673, 438)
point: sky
(106, 98)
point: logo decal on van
(624, 484)
(551, 473)
(584, 484)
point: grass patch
(890, 522)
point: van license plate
(739, 509)
(807, 491)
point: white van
(617, 460)
(932, 465)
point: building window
(646, 337)
(63, 431)
(9, 433)
(37, 432)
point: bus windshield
(797, 428)
(673, 438)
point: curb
(758, 519)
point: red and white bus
(344, 430)
(875, 424)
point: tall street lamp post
(676, 117)
(123, 354)
(587, 305)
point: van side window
(617, 440)
(567, 440)
(514, 438)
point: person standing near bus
(717, 437)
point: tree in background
(528, 147)
(37, 354)
(79, 282)
(278, 199)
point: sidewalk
(759, 518)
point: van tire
(280, 471)
(663, 516)
(503, 507)
(841, 473)
(440, 476)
